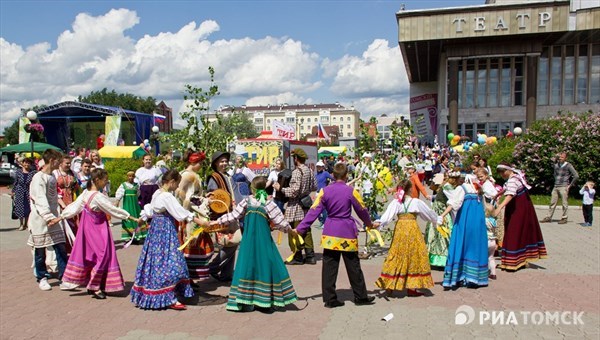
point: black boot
(310, 256)
(297, 260)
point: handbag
(305, 202)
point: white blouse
(489, 190)
(145, 176)
(100, 202)
(165, 201)
(410, 205)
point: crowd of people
(192, 228)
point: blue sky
(264, 52)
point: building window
(542, 90)
(348, 126)
(349, 134)
(492, 129)
(595, 75)
(518, 87)
(494, 80)
(481, 83)
(555, 76)
(582, 73)
(504, 128)
(268, 121)
(341, 127)
(469, 131)
(569, 75)
(324, 119)
(258, 121)
(469, 84)
(341, 119)
(290, 120)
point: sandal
(178, 306)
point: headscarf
(399, 195)
(196, 157)
(520, 174)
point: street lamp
(154, 136)
(32, 116)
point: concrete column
(453, 96)
(531, 92)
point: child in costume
(162, 271)
(407, 264)
(93, 260)
(491, 224)
(340, 236)
(260, 277)
(129, 192)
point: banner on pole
(112, 128)
(23, 136)
(282, 130)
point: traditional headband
(454, 174)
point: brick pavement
(567, 281)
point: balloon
(494, 139)
(456, 138)
(459, 148)
(518, 131)
(453, 142)
(481, 139)
(509, 134)
(450, 136)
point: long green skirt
(437, 244)
(260, 277)
(131, 205)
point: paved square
(563, 289)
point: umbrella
(26, 147)
(111, 151)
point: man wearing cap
(303, 182)
(323, 178)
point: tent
(134, 152)
(327, 151)
(26, 147)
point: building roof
(284, 107)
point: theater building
(500, 65)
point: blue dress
(467, 253)
(162, 271)
(21, 208)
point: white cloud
(379, 72)
(97, 53)
(279, 99)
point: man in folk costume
(303, 182)
(199, 251)
(222, 265)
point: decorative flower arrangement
(36, 127)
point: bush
(576, 134)
(117, 171)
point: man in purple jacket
(340, 237)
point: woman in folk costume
(523, 241)
(93, 261)
(199, 251)
(161, 271)
(222, 265)
(66, 184)
(20, 192)
(148, 178)
(128, 192)
(438, 237)
(468, 251)
(407, 264)
(260, 278)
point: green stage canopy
(26, 147)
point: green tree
(125, 101)
(199, 134)
(238, 124)
(11, 134)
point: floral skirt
(407, 263)
(161, 272)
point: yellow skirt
(407, 263)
